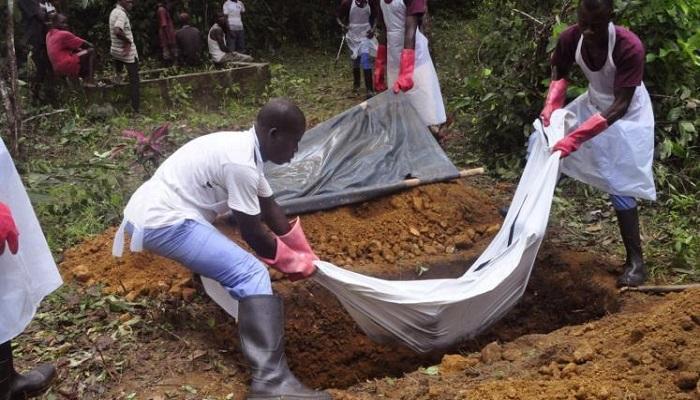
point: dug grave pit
(434, 231)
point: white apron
(27, 277)
(425, 96)
(618, 160)
(358, 25)
(214, 50)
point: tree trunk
(8, 84)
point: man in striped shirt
(123, 49)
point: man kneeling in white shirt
(171, 215)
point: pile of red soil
(373, 238)
(440, 228)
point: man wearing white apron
(27, 274)
(409, 66)
(358, 19)
(171, 215)
(612, 148)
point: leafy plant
(148, 148)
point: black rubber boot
(14, 386)
(6, 370)
(635, 273)
(261, 328)
(355, 80)
(369, 84)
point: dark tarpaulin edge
(309, 204)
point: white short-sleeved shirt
(205, 178)
(233, 10)
(118, 18)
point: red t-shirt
(62, 47)
(166, 29)
(414, 7)
(628, 56)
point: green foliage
(685, 218)
(74, 201)
(498, 85)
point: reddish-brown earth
(647, 350)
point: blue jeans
(235, 40)
(205, 251)
(622, 203)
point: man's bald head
(279, 125)
(593, 5)
(593, 19)
(279, 112)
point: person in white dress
(28, 273)
(404, 57)
(358, 20)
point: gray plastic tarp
(365, 152)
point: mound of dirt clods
(650, 350)
(372, 238)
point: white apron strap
(118, 245)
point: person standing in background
(358, 20)
(123, 49)
(166, 32)
(34, 19)
(403, 55)
(235, 38)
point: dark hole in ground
(327, 349)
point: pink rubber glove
(587, 130)
(556, 96)
(380, 69)
(8, 230)
(291, 262)
(405, 80)
(296, 240)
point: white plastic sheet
(432, 314)
(31, 274)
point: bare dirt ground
(187, 348)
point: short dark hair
(596, 4)
(55, 18)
